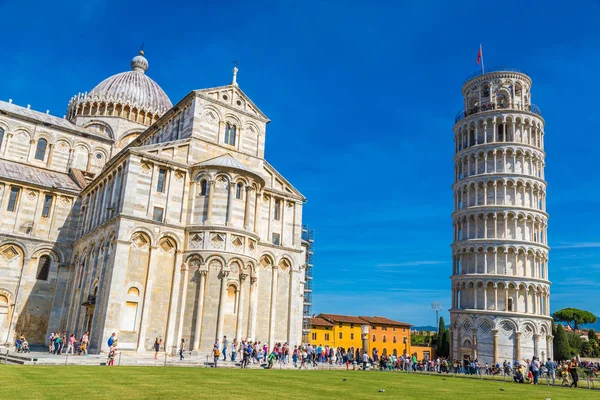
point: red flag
(479, 55)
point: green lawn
(79, 382)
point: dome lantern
(131, 95)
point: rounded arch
(127, 137)
(231, 118)
(4, 125)
(170, 235)
(82, 145)
(45, 250)
(267, 260)
(99, 127)
(18, 249)
(194, 257)
(140, 229)
(141, 238)
(45, 135)
(215, 260)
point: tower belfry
(500, 287)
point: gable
(233, 97)
(277, 183)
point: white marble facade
(500, 287)
(164, 220)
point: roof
(228, 161)
(383, 321)
(36, 176)
(342, 318)
(320, 322)
(44, 118)
(135, 88)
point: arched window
(203, 187)
(100, 129)
(40, 152)
(130, 312)
(231, 303)
(384, 339)
(395, 339)
(230, 134)
(1, 135)
(238, 191)
(486, 91)
(43, 268)
(501, 100)
(374, 338)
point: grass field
(76, 382)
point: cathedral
(136, 216)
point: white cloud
(578, 245)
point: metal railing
(494, 69)
(532, 108)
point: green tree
(586, 349)
(561, 344)
(446, 344)
(440, 334)
(575, 343)
(574, 317)
(592, 336)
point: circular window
(99, 156)
(225, 97)
(239, 103)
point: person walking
(535, 369)
(112, 352)
(70, 344)
(112, 339)
(224, 347)
(84, 343)
(181, 349)
(550, 366)
(234, 346)
(157, 344)
(216, 352)
(573, 372)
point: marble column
(247, 208)
(146, 305)
(273, 311)
(232, 188)
(253, 309)
(222, 301)
(199, 309)
(536, 343)
(495, 336)
(474, 331)
(171, 340)
(240, 308)
(184, 282)
(209, 207)
(518, 344)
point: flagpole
(482, 67)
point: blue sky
(362, 96)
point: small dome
(134, 87)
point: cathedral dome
(130, 92)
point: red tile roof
(320, 322)
(349, 319)
(383, 321)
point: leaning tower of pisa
(500, 288)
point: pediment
(232, 96)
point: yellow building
(321, 332)
(386, 335)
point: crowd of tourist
(251, 353)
